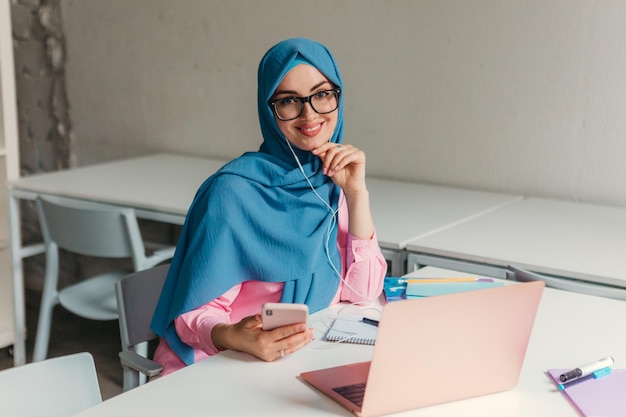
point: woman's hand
(248, 336)
(344, 164)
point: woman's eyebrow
(315, 87)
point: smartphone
(281, 314)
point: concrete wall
(521, 96)
(44, 124)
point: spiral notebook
(350, 329)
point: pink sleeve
(194, 327)
(364, 266)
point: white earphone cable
(331, 224)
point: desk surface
(236, 384)
(405, 211)
(161, 183)
(580, 241)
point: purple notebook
(597, 397)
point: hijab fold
(257, 217)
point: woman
(289, 223)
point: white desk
(234, 384)
(563, 239)
(158, 187)
(405, 211)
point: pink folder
(605, 396)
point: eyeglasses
(322, 102)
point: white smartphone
(281, 314)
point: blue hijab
(257, 218)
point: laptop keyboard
(353, 393)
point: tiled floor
(71, 334)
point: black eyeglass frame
(304, 100)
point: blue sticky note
(429, 290)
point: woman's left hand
(344, 164)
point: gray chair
(56, 387)
(90, 229)
(137, 297)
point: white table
(557, 238)
(159, 187)
(236, 384)
(405, 211)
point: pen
(594, 375)
(370, 321)
(587, 369)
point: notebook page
(352, 330)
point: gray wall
(520, 96)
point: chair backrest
(56, 387)
(137, 296)
(91, 229)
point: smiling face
(310, 129)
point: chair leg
(142, 349)
(49, 299)
(131, 379)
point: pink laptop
(438, 349)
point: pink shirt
(363, 279)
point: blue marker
(594, 375)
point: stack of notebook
(407, 288)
